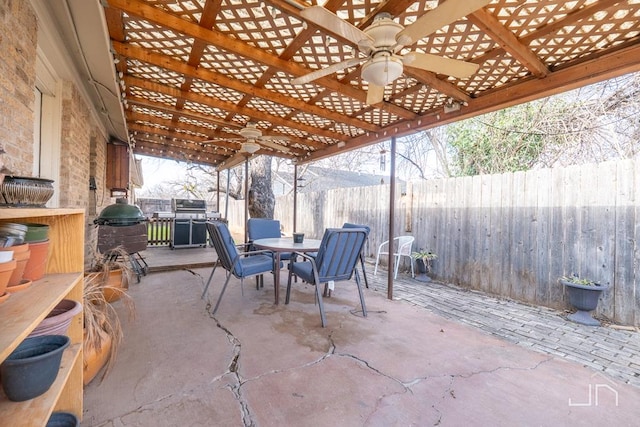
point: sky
(156, 171)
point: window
(47, 126)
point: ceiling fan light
(250, 132)
(250, 147)
(382, 70)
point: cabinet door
(117, 167)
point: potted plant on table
(584, 295)
(424, 259)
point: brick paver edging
(613, 351)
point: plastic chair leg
(375, 270)
(395, 274)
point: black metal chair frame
(229, 264)
(339, 265)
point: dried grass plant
(100, 317)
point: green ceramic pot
(36, 233)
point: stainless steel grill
(189, 223)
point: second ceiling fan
(253, 139)
(382, 41)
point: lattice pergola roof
(195, 72)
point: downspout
(392, 205)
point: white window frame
(47, 135)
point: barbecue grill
(189, 223)
(123, 225)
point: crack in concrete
(233, 369)
(448, 390)
(234, 365)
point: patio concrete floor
(258, 364)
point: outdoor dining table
(284, 244)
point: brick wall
(83, 144)
(75, 146)
(18, 34)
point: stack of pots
(11, 237)
(26, 249)
(37, 237)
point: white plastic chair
(402, 245)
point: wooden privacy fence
(511, 234)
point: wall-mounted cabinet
(117, 167)
(24, 310)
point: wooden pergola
(196, 74)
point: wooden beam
(508, 41)
(154, 105)
(173, 22)
(581, 73)
(431, 80)
(219, 104)
(213, 77)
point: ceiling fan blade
(375, 94)
(273, 145)
(332, 22)
(221, 139)
(440, 64)
(446, 13)
(314, 75)
(274, 138)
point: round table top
(286, 244)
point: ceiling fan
(384, 38)
(253, 139)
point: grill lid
(120, 213)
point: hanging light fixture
(382, 69)
(250, 147)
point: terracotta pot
(6, 270)
(21, 286)
(114, 281)
(95, 359)
(21, 254)
(37, 263)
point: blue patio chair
(335, 261)
(263, 228)
(366, 227)
(236, 263)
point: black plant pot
(421, 268)
(584, 299)
(63, 419)
(33, 366)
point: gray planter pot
(584, 299)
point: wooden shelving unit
(23, 311)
